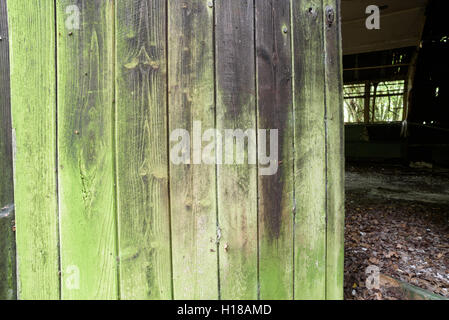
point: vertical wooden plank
(7, 239)
(33, 103)
(274, 100)
(334, 151)
(6, 182)
(142, 158)
(192, 186)
(85, 152)
(310, 157)
(237, 183)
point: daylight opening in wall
(374, 102)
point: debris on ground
(405, 239)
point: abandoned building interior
(396, 110)
(396, 123)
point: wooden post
(405, 100)
(409, 83)
(367, 101)
(373, 104)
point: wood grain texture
(237, 183)
(85, 151)
(310, 156)
(33, 103)
(93, 113)
(192, 186)
(334, 151)
(142, 158)
(275, 111)
(8, 290)
(6, 181)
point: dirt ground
(397, 219)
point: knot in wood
(330, 16)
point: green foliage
(386, 102)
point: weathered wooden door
(125, 185)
